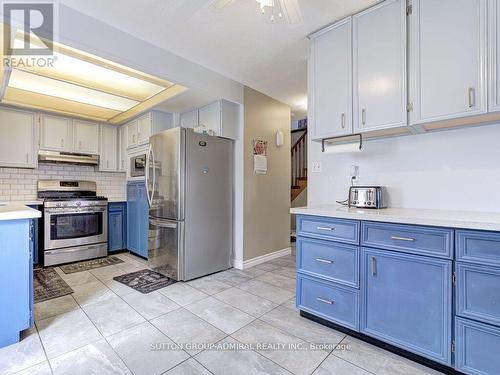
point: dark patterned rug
(90, 264)
(47, 284)
(145, 281)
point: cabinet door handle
(471, 92)
(324, 261)
(407, 239)
(324, 300)
(373, 266)
(122, 164)
(133, 138)
(363, 116)
(343, 120)
(62, 142)
(107, 164)
(80, 145)
(27, 157)
(325, 228)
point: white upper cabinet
(330, 81)
(447, 59)
(209, 116)
(131, 133)
(122, 144)
(221, 117)
(109, 148)
(379, 66)
(86, 137)
(143, 129)
(18, 140)
(494, 55)
(56, 133)
(189, 119)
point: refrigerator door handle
(163, 224)
(154, 174)
(148, 161)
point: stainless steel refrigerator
(189, 181)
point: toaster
(367, 197)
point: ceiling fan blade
(220, 4)
(291, 11)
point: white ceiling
(237, 42)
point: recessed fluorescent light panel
(84, 85)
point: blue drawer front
(330, 260)
(478, 293)
(478, 348)
(478, 247)
(407, 302)
(328, 301)
(340, 230)
(431, 241)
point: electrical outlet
(316, 167)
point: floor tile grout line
(329, 354)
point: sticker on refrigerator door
(202, 143)
(204, 170)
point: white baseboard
(241, 265)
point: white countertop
(26, 203)
(441, 218)
(117, 200)
(16, 211)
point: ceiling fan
(276, 9)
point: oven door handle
(60, 212)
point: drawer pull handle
(408, 239)
(324, 261)
(322, 300)
(325, 228)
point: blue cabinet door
(16, 289)
(406, 301)
(478, 348)
(116, 227)
(137, 218)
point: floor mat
(145, 281)
(90, 264)
(47, 284)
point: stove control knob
(58, 204)
(78, 203)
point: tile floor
(233, 322)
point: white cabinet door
(379, 64)
(109, 149)
(189, 119)
(86, 137)
(230, 120)
(55, 133)
(210, 116)
(18, 140)
(494, 56)
(131, 133)
(122, 144)
(144, 129)
(330, 81)
(447, 59)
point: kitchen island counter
(16, 211)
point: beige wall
(266, 217)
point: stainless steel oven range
(75, 221)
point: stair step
(295, 187)
(302, 178)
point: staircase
(299, 164)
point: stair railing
(299, 159)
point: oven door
(69, 227)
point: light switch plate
(316, 167)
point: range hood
(67, 158)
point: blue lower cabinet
(332, 261)
(329, 301)
(407, 302)
(16, 288)
(137, 218)
(477, 347)
(478, 293)
(117, 227)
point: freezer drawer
(166, 244)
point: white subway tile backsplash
(21, 184)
